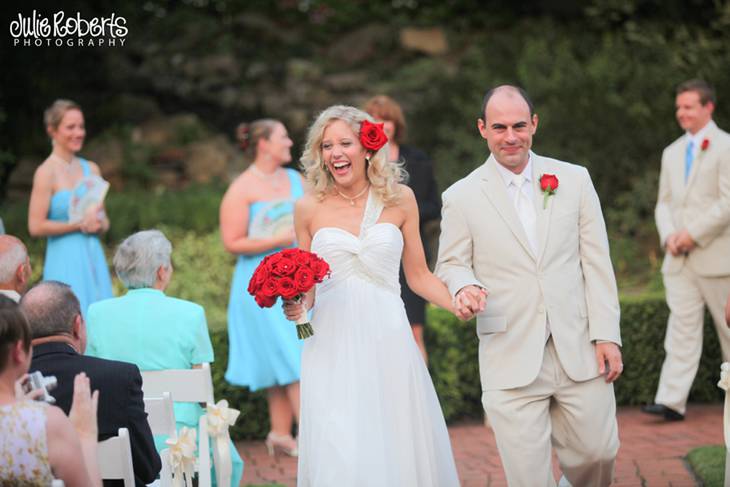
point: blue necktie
(689, 156)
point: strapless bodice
(373, 256)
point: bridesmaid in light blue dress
(73, 253)
(256, 219)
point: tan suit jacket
(570, 281)
(702, 205)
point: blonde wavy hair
(383, 175)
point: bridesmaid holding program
(61, 184)
(256, 219)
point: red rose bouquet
(288, 274)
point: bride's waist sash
(359, 272)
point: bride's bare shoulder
(307, 205)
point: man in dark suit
(59, 341)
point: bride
(369, 412)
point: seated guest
(41, 441)
(15, 268)
(59, 341)
(150, 329)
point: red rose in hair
(372, 136)
(705, 144)
(287, 288)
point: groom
(534, 267)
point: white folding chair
(161, 414)
(115, 458)
(187, 385)
(161, 418)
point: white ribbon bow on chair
(182, 457)
(220, 418)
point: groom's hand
(609, 353)
(469, 301)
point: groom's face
(508, 129)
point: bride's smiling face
(342, 153)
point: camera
(37, 381)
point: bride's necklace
(354, 198)
(273, 179)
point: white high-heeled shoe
(284, 443)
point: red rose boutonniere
(372, 136)
(548, 185)
(705, 144)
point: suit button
(541, 309)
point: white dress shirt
(11, 294)
(526, 214)
(698, 138)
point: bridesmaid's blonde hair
(383, 175)
(54, 114)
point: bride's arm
(303, 212)
(419, 278)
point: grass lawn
(708, 463)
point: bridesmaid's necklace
(273, 179)
(354, 198)
(67, 165)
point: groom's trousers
(687, 295)
(577, 418)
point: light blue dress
(264, 350)
(155, 332)
(76, 258)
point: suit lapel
(493, 187)
(539, 167)
(701, 154)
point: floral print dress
(23, 447)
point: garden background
(161, 109)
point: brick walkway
(651, 455)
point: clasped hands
(94, 220)
(680, 242)
(469, 301)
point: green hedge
(452, 347)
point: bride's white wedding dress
(369, 413)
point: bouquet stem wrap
(304, 327)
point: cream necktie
(525, 211)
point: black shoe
(662, 410)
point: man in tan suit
(693, 219)
(536, 269)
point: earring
(367, 160)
